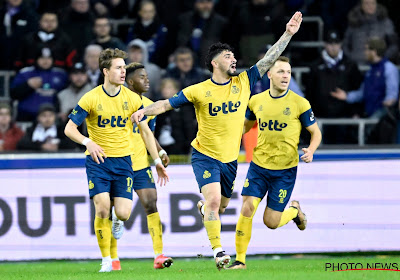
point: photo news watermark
(353, 266)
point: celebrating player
(106, 109)
(280, 114)
(220, 104)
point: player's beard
(231, 74)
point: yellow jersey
(139, 158)
(220, 112)
(108, 119)
(279, 125)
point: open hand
(294, 23)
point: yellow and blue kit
(142, 175)
(108, 122)
(275, 158)
(220, 112)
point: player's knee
(123, 215)
(271, 224)
(150, 207)
(103, 212)
(247, 210)
(213, 204)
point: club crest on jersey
(287, 111)
(125, 106)
(225, 108)
(208, 93)
(235, 90)
(99, 107)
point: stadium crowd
(54, 46)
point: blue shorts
(114, 176)
(278, 183)
(143, 179)
(208, 170)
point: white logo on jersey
(312, 116)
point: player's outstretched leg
(162, 261)
(301, 218)
(117, 225)
(200, 206)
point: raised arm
(154, 109)
(276, 50)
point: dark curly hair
(213, 51)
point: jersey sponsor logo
(235, 90)
(271, 125)
(113, 122)
(91, 185)
(206, 174)
(125, 106)
(135, 128)
(225, 108)
(287, 111)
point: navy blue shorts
(278, 183)
(208, 170)
(143, 179)
(114, 176)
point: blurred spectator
(16, 18)
(10, 134)
(46, 135)
(367, 20)
(79, 85)
(36, 85)
(254, 25)
(334, 13)
(200, 28)
(175, 129)
(91, 57)
(380, 87)
(151, 30)
(102, 30)
(115, 9)
(333, 70)
(137, 52)
(184, 71)
(77, 22)
(48, 36)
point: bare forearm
(149, 141)
(159, 148)
(157, 108)
(315, 140)
(72, 132)
(273, 53)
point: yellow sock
(113, 246)
(243, 233)
(242, 237)
(288, 215)
(102, 228)
(214, 233)
(155, 230)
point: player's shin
(155, 230)
(288, 215)
(243, 232)
(102, 229)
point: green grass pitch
(285, 268)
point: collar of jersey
(269, 92)
(221, 84)
(102, 86)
